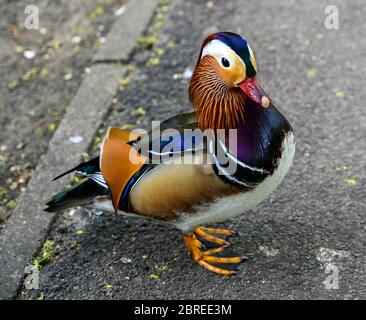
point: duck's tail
(83, 193)
(80, 195)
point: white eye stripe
(219, 50)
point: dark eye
(225, 62)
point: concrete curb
(29, 224)
(117, 50)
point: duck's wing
(174, 133)
(126, 156)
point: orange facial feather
(218, 105)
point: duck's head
(224, 78)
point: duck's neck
(260, 131)
(218, 106)
(261, 135)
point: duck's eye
(225, 62)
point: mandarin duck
(137, 173)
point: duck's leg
(205, 258)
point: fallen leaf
(154, 61)
(140, 111)
(154, 277)
(11, 204)
(79, 232)
(351, 182)
(12, 84)
(311, 73)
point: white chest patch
(230, 207)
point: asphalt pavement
(312, 227)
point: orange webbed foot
(205, 258)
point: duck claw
(206, 258)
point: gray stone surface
(122, 38)
(315, 219)
(34, 93)
(29, 224)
